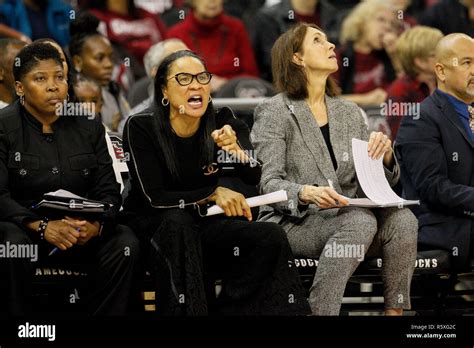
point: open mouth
(195, 102)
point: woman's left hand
(380, 145)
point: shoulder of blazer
(341, 103)
(432, 107)
(144, 116)
(275, 107)
(10, 119)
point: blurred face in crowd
(207, 9)
(455, 66)
(317, 53)
(171, 47)
(6, 67)
(401, 4)
(96, 60)
(43, 87)
(377, 26)
(89, 93)
(426, 65)
(61, 54)
(193, 98)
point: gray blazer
(288, 140)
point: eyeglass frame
(193, 77)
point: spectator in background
(415, 50)
(221, 40)
(143, 88)
(38, 19)
(402, 8)
(88, 91)
(152, 60)
(134, 29)
(9, 48)
(365, 68)
(436, 154)
(92, 56)
(451, 16)
(271, 22)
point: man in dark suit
(436, 153)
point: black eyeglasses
(185, 79)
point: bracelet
(42, 227)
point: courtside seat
(427, 262)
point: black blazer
(436, 156)
(75, 158)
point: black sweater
(153, 186)
(74, 158)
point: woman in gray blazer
(303, 135)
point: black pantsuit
(74, 157)
(189, 253)
(111, 264)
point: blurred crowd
(384, 48)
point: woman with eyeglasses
(179, 149)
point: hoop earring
(67, 98)
(210, 99)
(165, 102)
(22, 99)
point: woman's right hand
(233, 203)
(324, 197)
(61, 234)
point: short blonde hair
(353, 24)
(417, 42)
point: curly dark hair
(31, 55)
(83, 27)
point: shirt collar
(459, 105)
(33, 121)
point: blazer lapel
(338, 134)
(451, 114)
(314, 139)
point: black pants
(113, 262)
(251, 258)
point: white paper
(269, 198)
(66, 194)
(372, 180)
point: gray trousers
(341, 241)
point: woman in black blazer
(43, 150)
